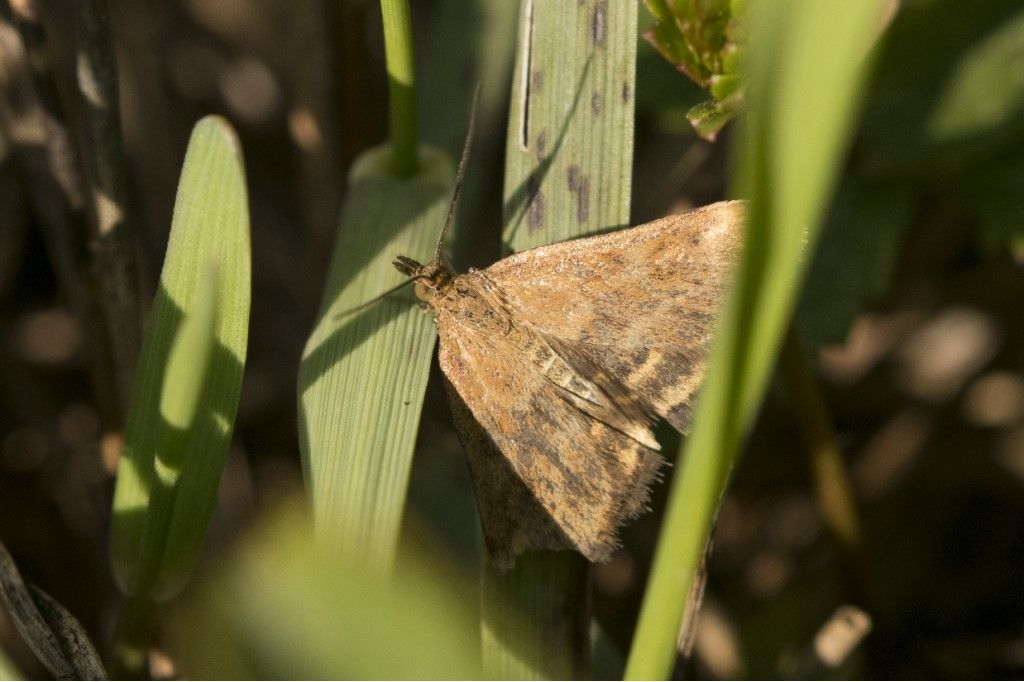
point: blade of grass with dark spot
(569, 154)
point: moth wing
(639, 303)
(547, 475)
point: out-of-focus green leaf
(364, 370)
(290, 608)
(943, 116)
(946, 97)
(995, 193)
(156, 529)
(806, 63)
(986, 88)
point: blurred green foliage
(8, 671)
(944, 117)
(287, 606)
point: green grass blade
(807, 61)
(569, 155)
(290, 608)
(210, 225)
(569, 150)
(398, 52)
(364, 370)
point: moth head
(430, 278)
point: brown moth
(557, 360)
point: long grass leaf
(807, 61)
(29, 621)
(210, 225)
(364, 370)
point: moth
(558, 359)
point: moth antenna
(459, 175)
(378, 297)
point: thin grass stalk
(398, 52)
(112, 246)
(806, 63)
(832, 486)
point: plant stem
(398, 50)
(112, 252)
(32, 114)
(131, 640)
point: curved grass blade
(54, 635)
(807, 63)
(72, 636)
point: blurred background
(914, 298)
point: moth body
(557, 359)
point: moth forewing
(560, 356)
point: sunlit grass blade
(290, 608)
(569, 154)
(807, 62)
(210, 225)
(364, 370)
(187, 386)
